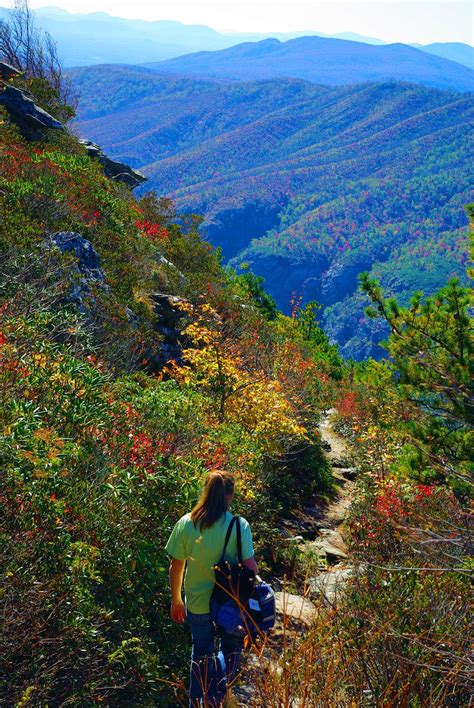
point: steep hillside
(113, 323)
(330, 181)
(324, 61)
(148, 116)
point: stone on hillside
(330, 585)
(295, 607)
(332, 543)
(30, 118)
(115, 170)
(167, 308)
(161, 260)
(339, 463)
(292, 539)
(348, 472)
(168, 312)
(324, 547)
(333, 536)
(88, 260)
(86, 273)
(7, 71)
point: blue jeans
(204, 647)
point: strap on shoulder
(239, 541)
(235, 521)
(227, 536)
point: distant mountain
(98, 38)
(455, 51)
(309, 184)
(323, 61)
(285, 36)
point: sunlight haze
(403, 21)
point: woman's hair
(214, 500)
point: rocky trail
(317, 529)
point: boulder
(167, 308)
(348, 472)
(339, 463)
(324, 547)
(330, 585)
(292, 539)
(295, 607)
(7, 71)
(86, 273)
(88, 260)
(329, 544)
(29, 117)
(168, 313)
(112, 169)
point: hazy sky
(404, 21)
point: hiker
(197, 541)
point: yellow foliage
(39, 360)
(144, 297)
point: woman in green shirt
(198, 540)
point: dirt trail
(321, 528)
(342, 471)
(337, 443)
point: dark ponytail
(214, 500)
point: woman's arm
(177, 612)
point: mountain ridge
(456, 51)
(99, 38)
(322, 61)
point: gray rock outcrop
(349, 472)
(329, 545)
(295, 607)
(86, 272)
(330, 586)
(168, 313)
(32, 120)
(112, 169)
(25, 113)
(88, 260)
(86, 275)
(7, 71)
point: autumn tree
(226, 354)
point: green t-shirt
(202, 550)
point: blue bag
(261, 608)
(227, 618)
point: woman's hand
(177, 612)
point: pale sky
(423, 21)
